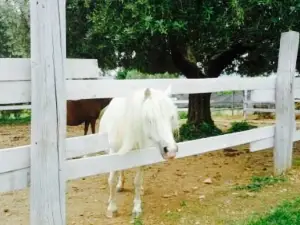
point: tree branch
(189, 69)
(219, 62)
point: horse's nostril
(165, 149)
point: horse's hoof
(111, 214)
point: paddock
(48, 166)
(191, 201)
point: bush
(182, 115)
(224, 93)
(135, 74)
(7, 114)
(15, 117)
(121, 75)
(240, 126)
(190, 131)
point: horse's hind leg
(86, 127)
(112, 205)
(93, 125)
(121, 181)
(137, 202)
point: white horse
(144, 119)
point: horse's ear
(147, 93)
(168, 91)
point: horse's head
(160, 120)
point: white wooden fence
(252, 97)
(46, 164)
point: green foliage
(182, 115)
(4, 38)
(15, 117)
(14, 28)
(257, 183)
(12, 121)
(104, 29)
(147, 26)
(137, 221)
(121, 75)
(135, 74)
(240, 126)
(14, 114)
(190, 131)
(287, 213)
(224, 93)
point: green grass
(287, 213)
(137, 221)
(257, 183)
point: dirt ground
(174, 192)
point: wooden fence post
(245, 103)
(48, 126)
(285, 108)
(232, 103)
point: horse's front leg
(112, 204)
(137, 202)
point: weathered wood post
(232, 103)
(245, 103)
(48, 126)
(285, 108)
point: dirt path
(174, 192)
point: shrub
(191, 131)
(224, 93)
(182, 115)
(7, 114)
(240, 126)
(15, 117)
(135, 74)
(121, 75)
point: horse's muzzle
(170, 152)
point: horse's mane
(157, 106)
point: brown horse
(85, 110)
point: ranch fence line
(251, 98)
(215, 104)
(47, 163)
(214, 107)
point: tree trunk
(199, 108)
(199, 104)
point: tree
(81, 43)
(172, 35)
(14, 25)
(169, 36)
(4, 38)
